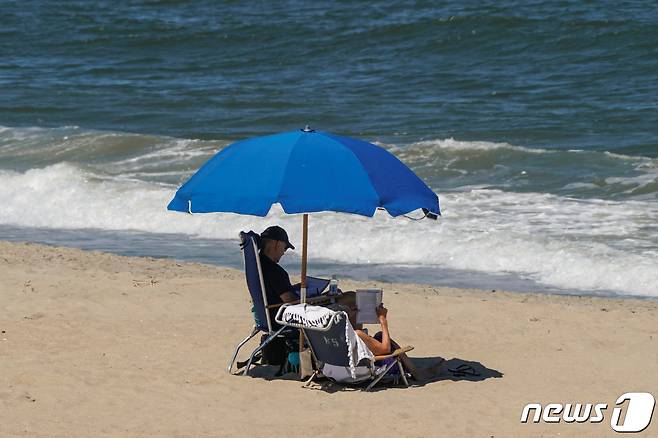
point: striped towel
(309, 316)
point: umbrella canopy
(305, 171)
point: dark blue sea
(536, 122)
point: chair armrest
(395, 353)
(311, 300)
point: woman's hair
(347, 299)
(346, 302)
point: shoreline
(407, 287)
(225, 262)
(101, 344)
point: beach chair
(327, 337)
(249, 243)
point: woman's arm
(375, 346)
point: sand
(97, 344)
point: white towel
(357, 349)
(309, 316)
(320, 317)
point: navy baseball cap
(275, 232)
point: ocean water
(535, 122)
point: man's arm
(288, 297)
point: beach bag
(307, 366)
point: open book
(367, 301)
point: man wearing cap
(274, 243)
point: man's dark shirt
(276, 281)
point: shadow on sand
(454, 369)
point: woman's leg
(394, 345)
(409, 366)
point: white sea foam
(174, 150)
(459, 145)
(110, 152)
(560, 242)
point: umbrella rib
(285, 169)
(379, 198)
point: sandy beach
(97, 344)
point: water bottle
(333, 286)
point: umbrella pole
(304, 256)
(303, 283)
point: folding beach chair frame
(245, 239)
(375, 376)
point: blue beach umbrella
(305, 171)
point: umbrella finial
(307, 128)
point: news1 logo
(638, 412)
